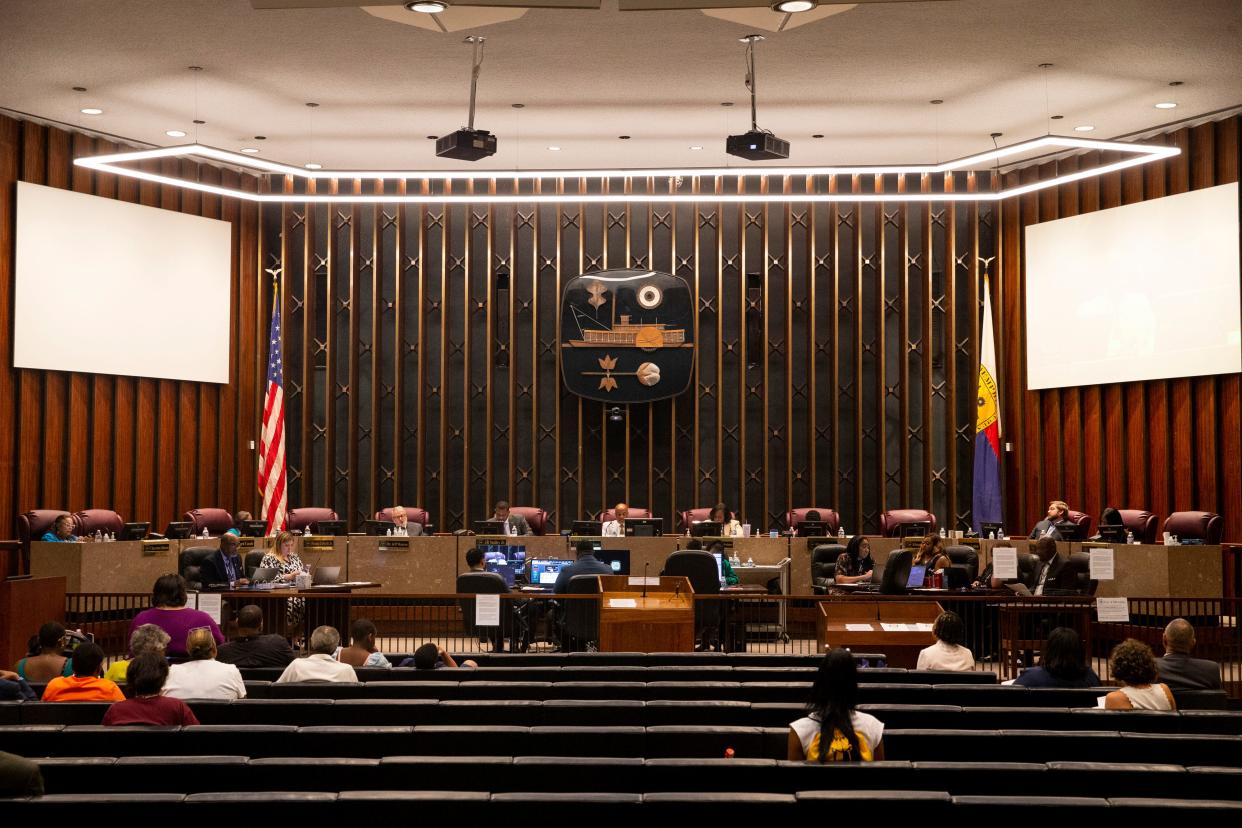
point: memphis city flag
(986, 506)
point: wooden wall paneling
(420, 386)
(168, 482)
(1180, 469)
(833, 301)
(376, 380)
(927, 347)
(949, 430)
(78, 460)
(1204, 389)
(791, 271)
(251, 357)
(125, 436)
(765, 366)
(1027, 211)
(1229, 424)
(10, 468)
(856, 475)
(903, 333)
(352, 393)
(880, 354)
(1145, 405)
(56, 383)
(30, 382)
(227, 493)
(192, 436)
(104, 420)
(1097, 462)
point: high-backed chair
(190, 564)
(580, 618)
(824, 566)
(609, 514)
(90, 521)
(830, 518)
(484, 583)
(1141, 522)
(892, 520)
(298, 520)
(688, 517)
(35, 524)
(412, 513)
(216, 521)
(252, 560)
(700, 568)
(1085, 522)
(536, 518)
(1028, 569)
(1074, 577)
(1205, 526)
(964, 557)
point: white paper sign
(1004, 562)
(644, 580)
(487, 610)
(209, 602)
(1116, 610)
(1101, 564)
(623, 603)
(859, 627)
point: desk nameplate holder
(156, 547)
(394, 544)
(326, 543)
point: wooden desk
(901, 647)
(423, 564)
(660, 622)
(122, 566)
(25, 605)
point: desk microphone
(645, 566)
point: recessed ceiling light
(433, 137)
(313, 166)
(92, 110)
(1057, 117)
(817, 135)
(253, 150)
(174, 133)
(555, 149)
(726, 103)
(1164, 105)
(696, 148)
(1084, 128)
(623, 137)
(427, 6)
(794, 6)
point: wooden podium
(841, 623)
(26, 604)
(661, 622)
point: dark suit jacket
(585, 565)
(1182, 672)
(1044, 524)
(214, 571)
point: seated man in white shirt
(319, 665)
(616, 528)
(202, 677)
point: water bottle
(98, 536)
(991, 535)
(942, 534)
(840, 531)
(750, 561)
(390, 533)
(1129, 536)
(205, 534)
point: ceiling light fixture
(313, 166)
(175, 133)
(427, 6)
(555, 149)
(250, 150)
(1084, 128)
(1164, 105)
(91, 110)
(794, 6)
(818, 189)
(696, 148)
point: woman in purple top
(171, 615)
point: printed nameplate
(387, 544)
(156, 547)
(324, 542)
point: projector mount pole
(476, 64)
(750, 40)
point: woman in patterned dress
(284, 559)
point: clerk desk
(430, 565)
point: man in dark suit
(587, 564)
(1177, 668)
(225, 565)
(1051, 525)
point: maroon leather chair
(217, 521)
(536, 518)
(892, 520)
(832, 521)
(1141, 522)
(297, 520)
(1084, 521)
(1206, 525)
(609, 514)
(689, 516)
(412, 513)
(35, 524)
(91, 520)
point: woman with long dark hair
(854, 565)
(833, 730)
(1063, 663)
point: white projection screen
(1145, 291)
(108, 287)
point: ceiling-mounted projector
(756, 145)
(468, 143)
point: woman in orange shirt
(85, 684)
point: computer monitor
(1113, 534)
(1069, 531)
(587, 527)
(494, 554)
(505, 570)
(915, 579)
(252, 528)
(328, 527)
(918, 528)
(704, 529)
(993, 529)
(378, 527)
(644, 527)
(326, 576)
(812, 529)
(489, 527)
(178, 530)
(719, 556)
(617, 559)
(516, 555)
(543, 571)
(134, 531)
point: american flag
(272, 439)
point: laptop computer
(326, 576)
(719, 556)
(917, 573)
(504, 569)
(543, 571)
(262, 575)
